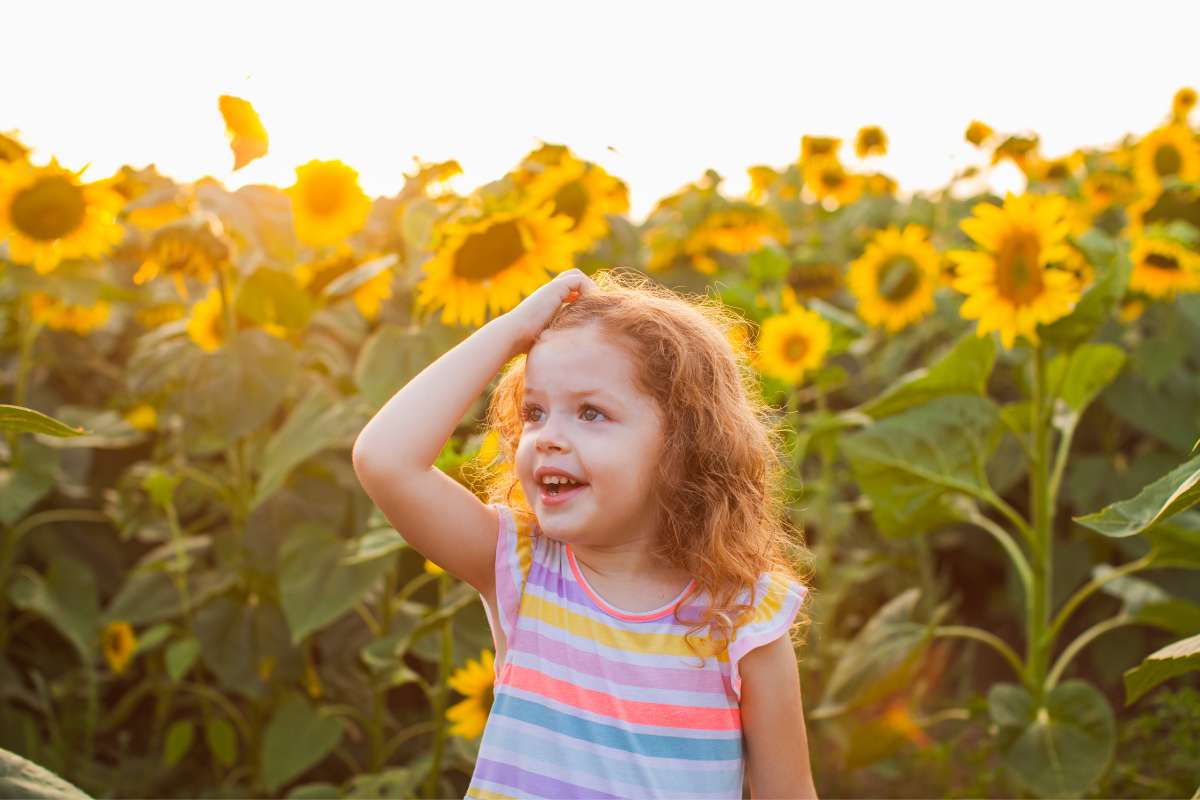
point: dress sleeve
(514, 554)
(778, 600)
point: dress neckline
(609, 608)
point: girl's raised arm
(394, 453)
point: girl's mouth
(559, 494)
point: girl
(640, 603)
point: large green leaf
(296, 738)
(20, 777)
(964, 370)
(25, 481)
(274, 297)
(1176, 543)
(393, 356)
(26, 420)
(319, 421)
(906, 463)
(1061, 748)
(1176, 491)
(1169, 412)
(1077, 378)
(66, 598)
(347, 282)
(246, 644)
(315, 585)
(151, 595)
(1174, 659)
(881, 658)
(238, 388)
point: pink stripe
(591, 663)
(634, 711)
(508, 590)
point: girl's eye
(592, 408)
(529, 411)
(525, 415)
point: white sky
(674, 87)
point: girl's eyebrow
(580, 393)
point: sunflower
(143, 416)
(205, 326)
(1049, 170)
(432, 568)
(153, 316)
(740, 229)
(58, 314)
(367, 297)
(184, 249)
(118, 643)
(1166, 152)
(762, 178)
(585, 193)
(1182, 103)
(489, 263)
(792, 344)
(327, 202)
(1020, 150)
(1162, 267)
(475, 682)
(1008, 286)
(870, 141)
(11, 148)
(878, 184)
(814, 146)
(895, 277)
(49, 215)
(1164, 209)
(1104, 189)
(820, 280)
(978, 132)
(826, 177)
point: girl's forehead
(574, 355)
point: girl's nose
(551, 438)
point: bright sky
(672, 87)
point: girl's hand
(534, 312)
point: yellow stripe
(484, 794)
(524, 549)
(584, 627)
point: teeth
(555, 479)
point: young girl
(633, 563)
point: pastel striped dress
(595, 702)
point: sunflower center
(1018, 273)
(325, 193)
(49, 209)
(489, 252)
(821, 280)
(871, 138)
(1162, 261)
(572, 200)
(832, 178)
(1167, 160)
(794, 347)
(898, 278)
(1172, 205)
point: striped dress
(592, 701)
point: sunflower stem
(1038, 647)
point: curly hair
(721, 478)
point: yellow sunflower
(762, 178)
(877, 183)
(475, 682)
(49, 215)
(1049, 170)
(821, 280)
(487, 264)
(814, 146)
(978, 132)
(205, 326)
(11, 148)
(792, 344)
(1008, 286)
(826, 177)
(740, 229)
(870, 141)
(1162, 267)
(118, 643)
(327, 202)
(143, 416)
(1104, 189)
(1163, 209)
(585, 193)
(1182, 103)
(367, 297)
(184, 249)
(895, 277)
(58, 314)
(1169, 151)
(1020, 150)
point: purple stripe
(619, 672)
(524, 780)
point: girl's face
(584, 415)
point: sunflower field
(993, 416)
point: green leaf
(1176, 491)
(275, 297)
(20, 777)
(314, 791)
(24, 482)
(346, 283)
(1082, 375)
(1176, 543)
(180, 657)
(1174, 659)
(963, 370)
(315, 586)
(1099, 301)
(240, 640)
(906, 463)
(66, 598)
(1061, 748)
(882, 657)
(1177, 616)
(296, 738)
(179, 740)
(768, 264)
(319, 421)
(25, 420)
(394, 355)
(222, 740)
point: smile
(559, 494)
